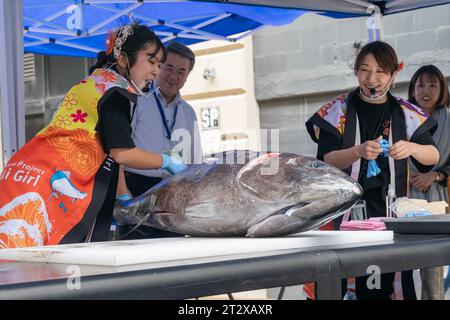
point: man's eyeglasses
(171, 69)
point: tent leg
(375, 24)
(11, 78)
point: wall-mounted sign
(210, 118)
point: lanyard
(163, 117)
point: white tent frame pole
(211, 21)
(186, 36)
(245, 34)
(83, 18)
(375, 22)
(200, 25)
(381, 29)
(205, 34)
(51, 31)
(36, 43)
(393, 3)
(41, 22)
(131, 1)
(114, 17)
(360, 3)
(50, 18)
(11, 78)
(64, 43)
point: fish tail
(53, 194)
(83, 195)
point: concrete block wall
(54, 76)
(301, 66)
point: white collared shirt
(149, 132)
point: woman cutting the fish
(63, 182)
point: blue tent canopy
(357, 7)
(80, 28)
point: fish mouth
(352, 194)
(304, 216)
(328, 207)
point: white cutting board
(117, 253)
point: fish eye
(318, 164)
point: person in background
(349, 131)
(160, 119)
(61, 186)
(429, 90)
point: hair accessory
(357, 46)
(110, 43)
(400, 66)
(120, 36)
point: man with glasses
(163, 122)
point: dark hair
(141, 37)
(384, 55)
(183, 51)
(435, 74)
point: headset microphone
(374, 95)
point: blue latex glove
(123, 197)
(172, 164)
(372, 168)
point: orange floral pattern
(69, 101)
(62, 121)
(79, 148)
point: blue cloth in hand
(385, 146)
(372, 167)
(172, 164)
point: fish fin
(265, 164)
(145, 218)
(272, 226)
(278, 225)
(294, 210)
(201, 210)
(74, 199)
(67, 174)
(138, 225)
(281, 222)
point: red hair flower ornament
(110, 43)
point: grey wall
(301, 66)
(54, 76)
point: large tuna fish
(270, 195)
